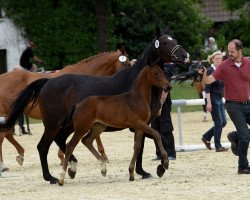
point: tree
(137, 19)
(238, 28)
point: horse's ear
(167, 31)
(157, 32)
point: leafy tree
(238, 28)
(137, 19)
(67, 31)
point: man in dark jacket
(163, 123)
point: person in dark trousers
(215, 105)
(26, 62)
(163, 123)
(235, 73)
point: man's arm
(207, 79)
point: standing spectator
(26, 61)
(27, 58)
(211, 46)
(214, 93)
(235, 72)
(163, 123)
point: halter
(171, 54)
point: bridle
(172, 55)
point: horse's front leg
(19, 148)
(137, 148)
(156, 136)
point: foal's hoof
(131, 178)
(71, 173)
(20, 160)
(160, 170)
(104, 172)
(61, 182)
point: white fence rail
(189, 102)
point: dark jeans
(240, 115)
(165, 127)
(219, 118)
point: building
(12, 44)
(215, 10)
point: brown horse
(12, 83)
(134, 112)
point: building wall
(11, 40)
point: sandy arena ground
(194, 175)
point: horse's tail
(184, 76)
(28, 95)
(65, 120)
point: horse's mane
(90, 58)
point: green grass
(184, 91)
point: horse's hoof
(103, 172)
(54, 181)
(61, 182)
(5, 169)
(160, 170)
(20, 160)
(131, 178)
(71, 173)
(143, 173)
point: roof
(215, 10)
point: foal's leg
(19, 148)
(60, 140)
(88, 142)
(69, 150)
(137, 147)
(97, 129)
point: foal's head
(157, 77)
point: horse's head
(157, 77)
(123, 59)
(168, 50)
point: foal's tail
(65, 120)
(28, 95)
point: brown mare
(134, 112)
(12, 83)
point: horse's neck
(103, 65)
(142, 88)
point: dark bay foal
(134, 112)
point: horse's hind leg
(98, 128)
(43, 148)
(19, 148)
(2, 166)
(137, 147)
(87, 140)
